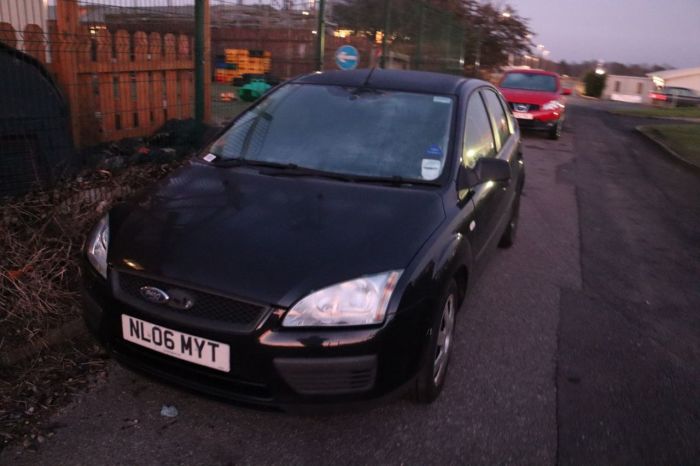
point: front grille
(207, 306)
(528, 107)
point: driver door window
(478, 137)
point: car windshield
(349, 131)
(530, 82)
(679, 90)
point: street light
(545, 54)
(599, 68)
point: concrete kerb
(588, 97)
(656, 117)
(647, 131)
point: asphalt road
(580, 345)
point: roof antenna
(371, 71)
(365, 85)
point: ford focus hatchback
(319, 250)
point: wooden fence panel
(116, 89)
(119, 83)
(137, 89)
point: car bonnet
(270, 239)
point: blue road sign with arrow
(347, 57)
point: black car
(675, 96)
(319, 250)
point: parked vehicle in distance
(535, 97)
(319, 250)
(675, 96)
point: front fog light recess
(362, 301)
(97, 245)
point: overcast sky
(626, 31)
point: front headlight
(97, 245)
(356, 302)
(553, 105)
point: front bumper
(272, 365)
(540, 119)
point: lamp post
(540, 48)
(320, 35)
(387, 25)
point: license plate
(179, 345)
(522, 115)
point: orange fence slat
(186, 79)
(172, 103)
(34, 42)
(156, 98)
(107, 104)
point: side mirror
(566, 91)
(486, 169)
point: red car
(535, 98)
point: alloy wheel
(444, 339)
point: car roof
(531, 71)
(399, 80)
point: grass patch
(684, 139)
(660, 112)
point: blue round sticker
(434, 151)
(347, 57)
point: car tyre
(433, 373)
(508, 237)
(555, 131)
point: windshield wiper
(303, 171)
(395, 180)
(291, 169)
(241, 162)
(295, 170)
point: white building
(21, 13)
(633, 89)
(684, 77)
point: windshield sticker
(430, 169)
(209, 157)
(434, 151)
(442, 100)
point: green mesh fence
(420, 35)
